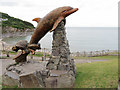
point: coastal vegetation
(8, 21)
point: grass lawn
(98, 74)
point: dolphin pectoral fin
(37, 19)
(56, 23)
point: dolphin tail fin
(37, 19)
(56, 23)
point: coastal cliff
(11, 24)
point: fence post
(91, 54)
(103, 52)
(96, 53)
(78, 54)
(84, 53)
(7, 53)
(31, 56)
(0, 53)
(3, 46)
(43, 57)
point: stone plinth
(59, 79)
(60, 59)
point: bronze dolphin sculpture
(50, 22)
(45, 24)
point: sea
(80, 39)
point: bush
(15, 22)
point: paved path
(88, 60)
(5, 62)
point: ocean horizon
(81, 39)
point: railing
(45, 51)
(95, 53)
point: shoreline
(73, 53)
(7, 35)
(7, 46)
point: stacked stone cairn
(60, 60)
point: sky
(91, 13)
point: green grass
(98, 74)
(9, 86)
(13, 52)
(40, 54)
(4, 57)
(97, 57)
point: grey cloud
(8, 3)
(23, 3)
(28, 5)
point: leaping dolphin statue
(50, 22)
(45, 24)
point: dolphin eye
(64, 11)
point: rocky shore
(4, 45)
(13, 32)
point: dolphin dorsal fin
(56, 23)
(37, 19)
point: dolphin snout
(72, 11)
(76, 9)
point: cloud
(28, 5)
(91, 12)
(8, 3)
(17, 3)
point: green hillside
(15, 22)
